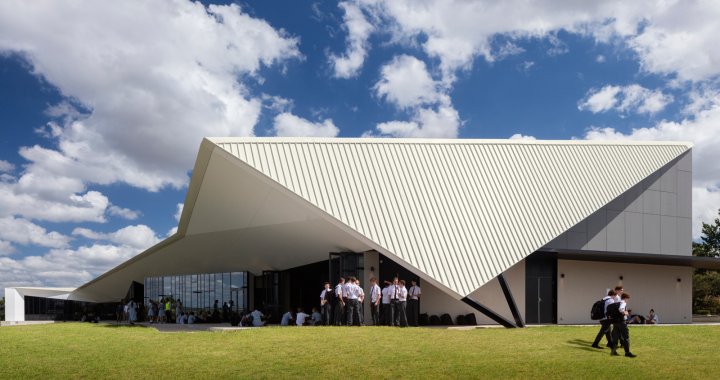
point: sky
(103, 104)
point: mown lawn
(73, 350)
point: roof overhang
(638, 258)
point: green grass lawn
(74, 350)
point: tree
(710, 239)
(706, 283)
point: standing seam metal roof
(461, 211)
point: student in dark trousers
(620, 332)
(375, 298)
(387, 310)
(413, 303)
(605, 323)
(395, 301)
(326, 297)
(401, 317)
(340, 304)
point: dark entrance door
(269, 295)
(346, 264)
(541, 288)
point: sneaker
(630, 355)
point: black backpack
(613, 312)
(598, 310)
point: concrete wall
(652, 217)
(436, 302)
(14, 305)
(650, 286)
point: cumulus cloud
(703, 129)
(359, 29)
(178, 211)
(23, 231)
(406, 82)
(6, 167)
(520, 136)
(669, 37)
(138, 236)
(287, 124)
(631, 98)
(124, 213)
(152, 78)
(443, 122)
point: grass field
(73, 350)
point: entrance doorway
(346, 264)
(541, 288)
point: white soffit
(460, 211)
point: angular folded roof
(458, 212)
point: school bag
(598, 310)
(434, 320)
(446, 320)
(461, 320)
(470, 319)
(613, 312)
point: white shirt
(608, 300)
(402, 294)
(394, 292)
(617, 298)
(622, 307)
(339, 290)
(386, 295)
(286, 319)
(322, 295)
(374, 293)
(257, 317)
(415, 292)
(191, 320)
(300, 318)
(361, 296)
(353, 291)
(345, 290)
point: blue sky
(103, 105)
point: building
(515, 231)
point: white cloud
(670, 37)
(6, 167)
(138, 236)
(6, 248)
(443, 122)
(174, 68)
(600, 59)
(704, 131)
(520, 136)
(178, 211)
(287, 124)
(87, 207)
(406, 83)
(23, 231)
(631, 98)
(125, 213)
(349, 64)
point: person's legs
(412, 312)
(402, 320)
(374, 314)
(604, 331)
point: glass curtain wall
(198, 292)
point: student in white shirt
(605, 323)
(316, 317)
(375, 298)
(620, 330)
(413, 303)
(258, 318)
(286, 318)
(361, 302)
(395, 301)
(300, 317)
(339, 303)
(353, 294)
(326, 297)
(387, 309)
(401, 318)
(191, 318)
(652, 318)
(619, 290)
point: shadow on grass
(581, 344)
(115, 326)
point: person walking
(620, 332)
(413, 304)
(605, 323)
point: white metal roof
(458, 211)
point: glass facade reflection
(198, 292)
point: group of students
(393, 305)
(613, 326)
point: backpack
(613, 312)
(470, 319)
(598, 310)
(446, 320)
(461, 320)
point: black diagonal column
(489, 313)
(511, 301)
